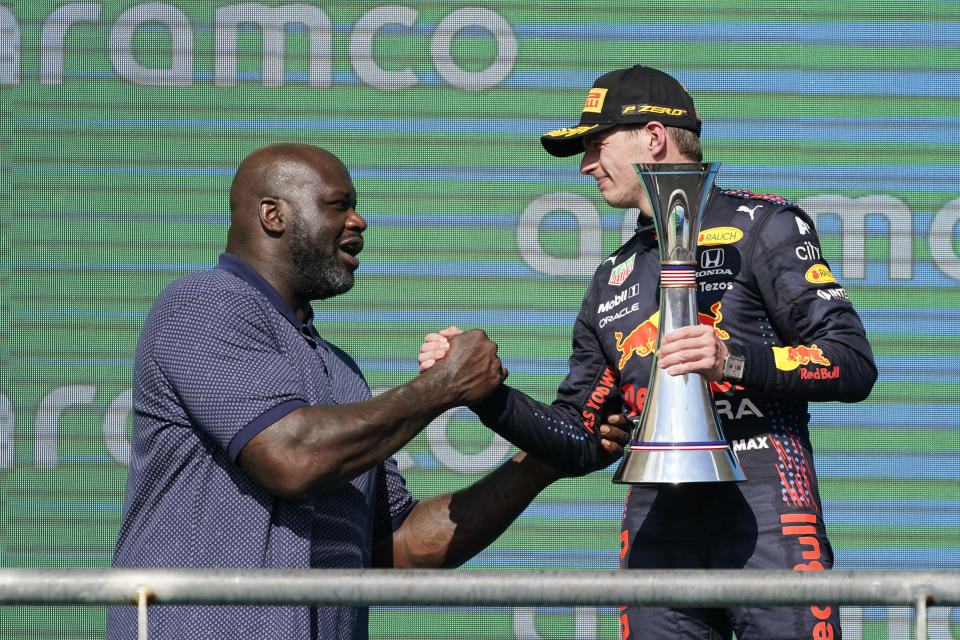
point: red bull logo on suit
(641, 341)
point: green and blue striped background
(112, 188)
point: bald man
(256, 442)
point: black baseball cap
(626, 96)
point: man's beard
(318, 275)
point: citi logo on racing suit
(807, 251)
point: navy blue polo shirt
(221, 357)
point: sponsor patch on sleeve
(789, 358)
(819, 274)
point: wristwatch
(733, 364)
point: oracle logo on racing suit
(605, 320)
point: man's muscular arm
(449, 529)
(319, 448)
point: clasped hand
(614, 432)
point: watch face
(733, 368)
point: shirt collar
(647, 233)
(236, 266)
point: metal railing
(673, 587)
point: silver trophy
(678, 438)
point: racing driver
(777, 332)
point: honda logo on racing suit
(711, 259)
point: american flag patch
(677, 276)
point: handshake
(467, 364)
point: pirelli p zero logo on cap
(594, 103)
(633, 109)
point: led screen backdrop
(123, 122)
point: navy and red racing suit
(763, 284)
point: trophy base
(677, 464)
